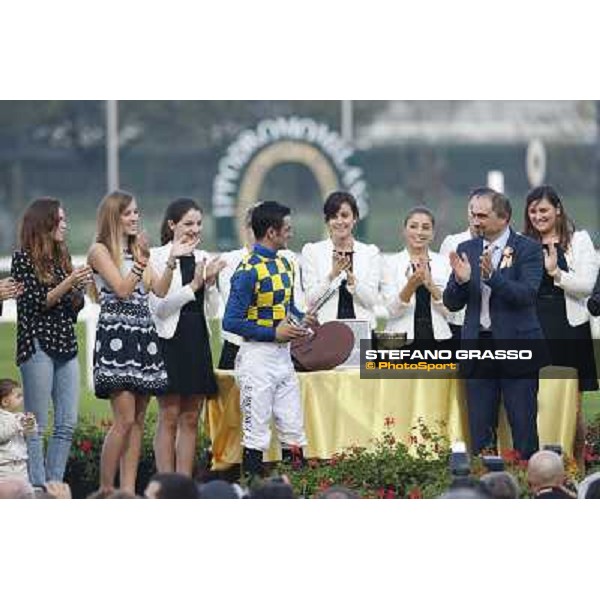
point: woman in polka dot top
(46, 342)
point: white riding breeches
(269, 387)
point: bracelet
(138, 270)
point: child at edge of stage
(14, 426)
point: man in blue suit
(496, 276)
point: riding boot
(252, 463)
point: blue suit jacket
(513, 301)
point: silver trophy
(323, 298)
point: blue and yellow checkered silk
(273, 288)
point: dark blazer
(513, 300)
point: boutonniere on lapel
(507, 257)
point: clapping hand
(143, 245)
(340, 263)
(183, 246)
(81, 276)
(421, 275)
(460, 267)
(9, 288)
(213, 268)
(427, 280)
(198, 279)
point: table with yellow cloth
(341, 409)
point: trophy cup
(327, 345)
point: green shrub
(394, 469)
(390, 469)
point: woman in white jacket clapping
(323, 261)
(414, 280)
(183, 335)
(570, 270)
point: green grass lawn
(90, 405)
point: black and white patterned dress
(127, 355)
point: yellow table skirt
(341, 409)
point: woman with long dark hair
(183, 335)
(570, 270)
(128, 366)
(46, 341)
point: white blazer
(232, 260)
(396, 271)
(317, 261)
(578, 281)
(165, 311)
